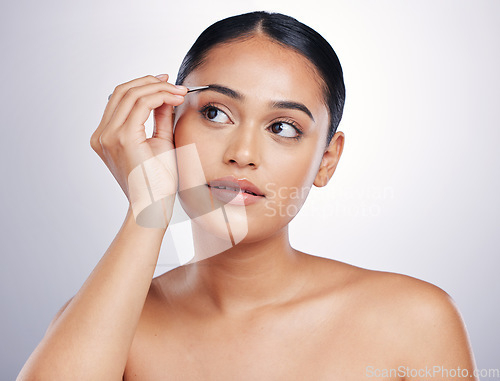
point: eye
(285, 129)
(215, 114)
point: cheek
(291, 184)
(289, 189)
(190, 129)
(299, 170)
(183, 134)
(189, 133)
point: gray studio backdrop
(416, 190)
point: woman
(248, 306)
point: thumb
(163, 122)
(162, 115)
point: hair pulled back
(288, 32)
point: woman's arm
(443, 349)
(432, 340)
(92, 336)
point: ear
(330, 160)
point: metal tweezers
(190, 89)
(196, 88)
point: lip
(238, 194)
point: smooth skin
(260, 310)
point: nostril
(238, 163)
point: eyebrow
(293, 106)
(224, 90)
(274, 104)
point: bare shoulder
(423, 305)
(418, 319)
(403, 294)
(394, 296)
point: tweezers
(196, 88)
(190, 89)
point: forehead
(260, 67)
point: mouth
(230, 190)
(233, 184)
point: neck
(248, 276)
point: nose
(243, 147)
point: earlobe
(320, 180)
(330, 160)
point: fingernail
(180, 87)
(161, 76)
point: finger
(143, 107)
(163, 122)
(129, 100)
(116, 96)
(120, 91)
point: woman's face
(266, 122)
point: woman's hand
(97, 326)
(144, 167)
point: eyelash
(292, 123)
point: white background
(415, 191)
